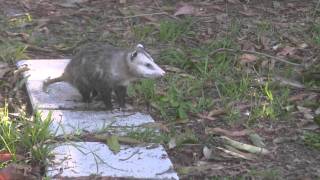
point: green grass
(142, 33)
(148, 135)
(8, 132)
(28, 135)
(312, 139)
(10, 51)
(315, 30)
(170, 31)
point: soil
(57, 26)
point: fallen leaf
(265, 42)
(247, 12)
(16, 171)
(206, 117)
(185, 9)
(221, 131)
(5, 156)
(256, 140)
(157, 126)
(216, 112)
(113, 143)
(129, 140)
(172, 69)
(303, 109)
(298, 97)
(248, 58)
(287, 51)
(317, 111)
(207, 153)
(172, 143)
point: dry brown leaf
(206, 117)
(298, 97)
(248, 58)
(172, 69)
(5, 156)
(221, 131)
(247, 12)
(287, 51)
(216, 112)
(185, 9)
(15, 171)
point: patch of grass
(10, 51)
(148, 135)
(175, 57)
(8, 132)
(142, 33)
(312, 139)
(29, 136)
(36, 136)
(316, 33)
(266, 174)
(175, 104)
(145, 88)
(170, 31)
(235, 89)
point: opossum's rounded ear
(139, 46)
(133, 55)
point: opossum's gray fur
(102, 68)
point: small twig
(134, 153)
(254, 52)
(140, 15)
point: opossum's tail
(49, 81)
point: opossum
(100, 68)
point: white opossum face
(143, 65)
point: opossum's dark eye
(134, 54)
(149, 65)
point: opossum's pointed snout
(162, 73)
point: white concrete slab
(80, 159)
(60, 95)
(75, 122)
(41, 69)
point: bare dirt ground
(53, 29)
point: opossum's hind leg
(121, 92)
(105, 93)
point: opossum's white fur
(143, 65)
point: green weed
(266, 174)
(142, 33)
(36, 135)
(11, 51)
(170, 31)
(315, 30)
(8, 132)
(312, 139)
(145, 89)
(148, 135)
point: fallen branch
(253, 52)
(245, 147)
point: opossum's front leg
(121, 92)
(85, 93)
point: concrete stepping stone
(74, 122)
(70, 116)
(80, 159)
